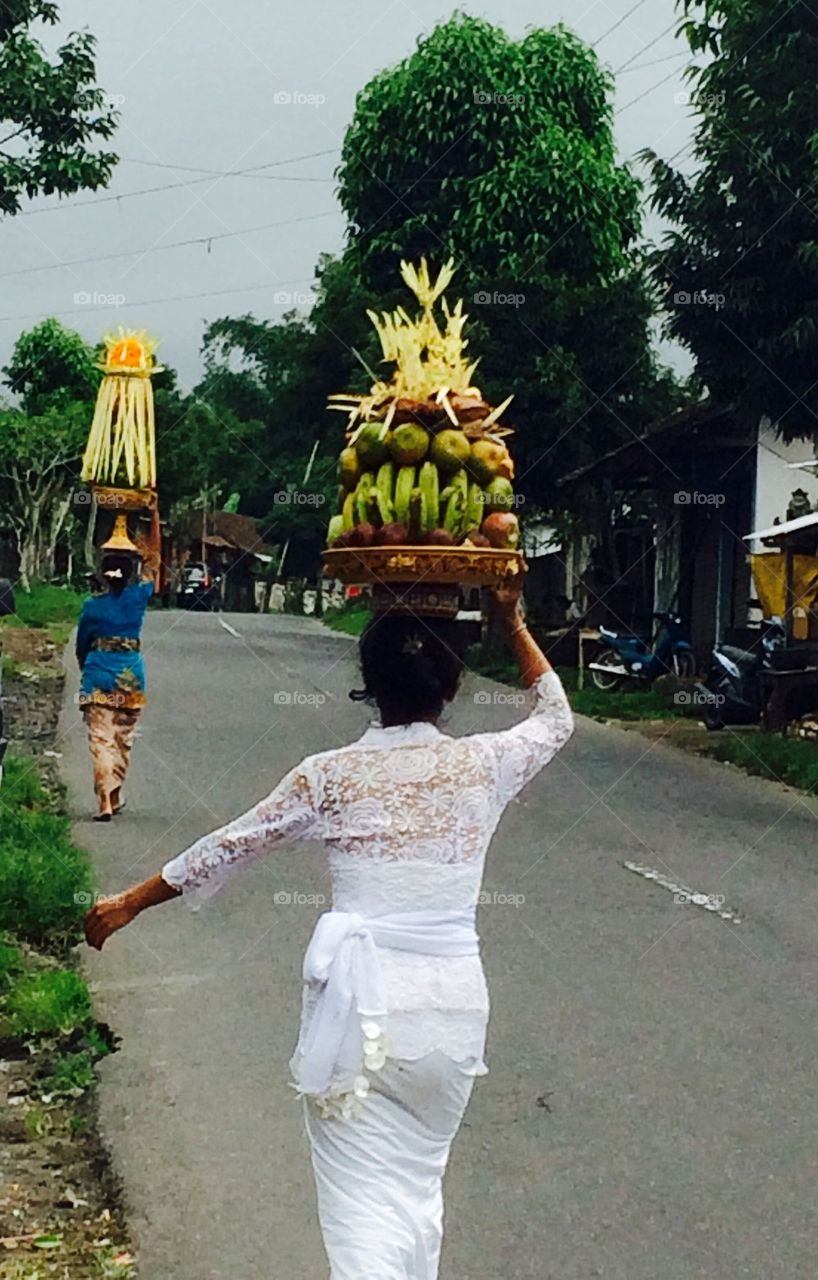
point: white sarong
(379, 1171)
(342, 970)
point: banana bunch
(411, 505)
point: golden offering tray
(469, 566)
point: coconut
(372, 446)
(489, 458)
(450, 450)
(349, 468)
(409, 444)
(499, 494)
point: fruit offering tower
(120, 457)
(425, 479)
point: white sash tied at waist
(342, 961)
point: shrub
(49, 1003)
(45, 604)
(11, 964)
(45, 881)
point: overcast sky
(196, 84)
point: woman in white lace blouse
(395, 1005)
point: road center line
(228, 627)
(685, 896)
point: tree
(739, 267)
(39, 460)
(500, 153)
(53, 375)
(51, 366)
(51, 111)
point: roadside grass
(350, 619)
(45, 887)
(50, 1003)
(45, 880)
(767, 755)
(44, 606)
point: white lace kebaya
(407, 814)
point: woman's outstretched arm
(288, 813)
(110, 914)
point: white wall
(775, 481)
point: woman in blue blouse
(112, 692)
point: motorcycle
(731, 693)
(628, 657)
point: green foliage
(51, 109)
(73, 1074)
(199, 446)
(349, 620)
(48, 1003)
(500, 153)
(45, 880)
(743, 236)
(768, 755)
(22, 789)
(50, 367)
(45, 606)
(11, 964)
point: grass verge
(350, 620)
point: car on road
(198, 589)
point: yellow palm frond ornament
(122, 442)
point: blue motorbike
(628, 657)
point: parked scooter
(628, 657)
(731, 694)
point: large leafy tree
(52, 112)
(501, 153)
(51, 366)
(740, 263)
(39, 461)
(52, 376)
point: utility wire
(170, 186)
(618, 23)
(224, 173)
(645, 48)
(176, 244)
(639, 98)
(643, 66)
(155, 302)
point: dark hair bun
(411, 666)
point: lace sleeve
(289, 812)
(519, 753)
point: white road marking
(228, 627)
(685, 896)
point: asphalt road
(651, 1108)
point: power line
(643, 66)
(176, 244)
(639, 98)
(171, 186)
(155, 302)
(618, 23)
(225, 173)
(645, 48)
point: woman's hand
(506, 599)
(107, 916)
